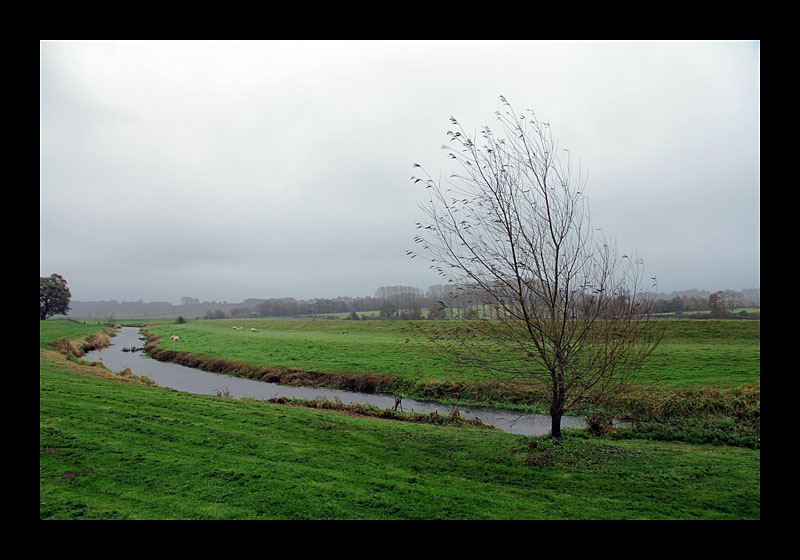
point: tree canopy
(54, 296)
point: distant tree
(693, 303)
(238, 312)
(676, 304)
(717, 305)
(54, 296)
(388, 310)
(512, 227)
(436, 312)
(216, 314)
(414, 311)
(732, 299)
(723, 303)
(266, 309)
(291, 308)
(180, 320)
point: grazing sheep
(174, 338)
(253, 330)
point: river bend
(193, 380)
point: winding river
(192, 380)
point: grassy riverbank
(80, 334)
(709, 353)
(707, 371)
(113, 450)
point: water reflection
(192, 380)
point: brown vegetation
(453, 419)
(66, 347)
(742, 403)
(365, 383)
(78, 349)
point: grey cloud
(227, 170)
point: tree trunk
(557, 406)
(555, 427)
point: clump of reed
(453, 418)
(66, 347)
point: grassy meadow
(114, 447)
(707, 354)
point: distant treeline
(388, 302)
(723, 303)
(387, 297)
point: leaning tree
(551, 300)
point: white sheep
(253, 330)
(174, 338)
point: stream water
(193, 380)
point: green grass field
(706, 353)
(114, 449)
(694, 353)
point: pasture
(114, 448)
(693, 354)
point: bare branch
(511, 229)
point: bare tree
(732, 299)
(511, 230)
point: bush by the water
(719, 416)
(719, 431)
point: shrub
(599, 423)
(719, 431)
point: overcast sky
(233, 170)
